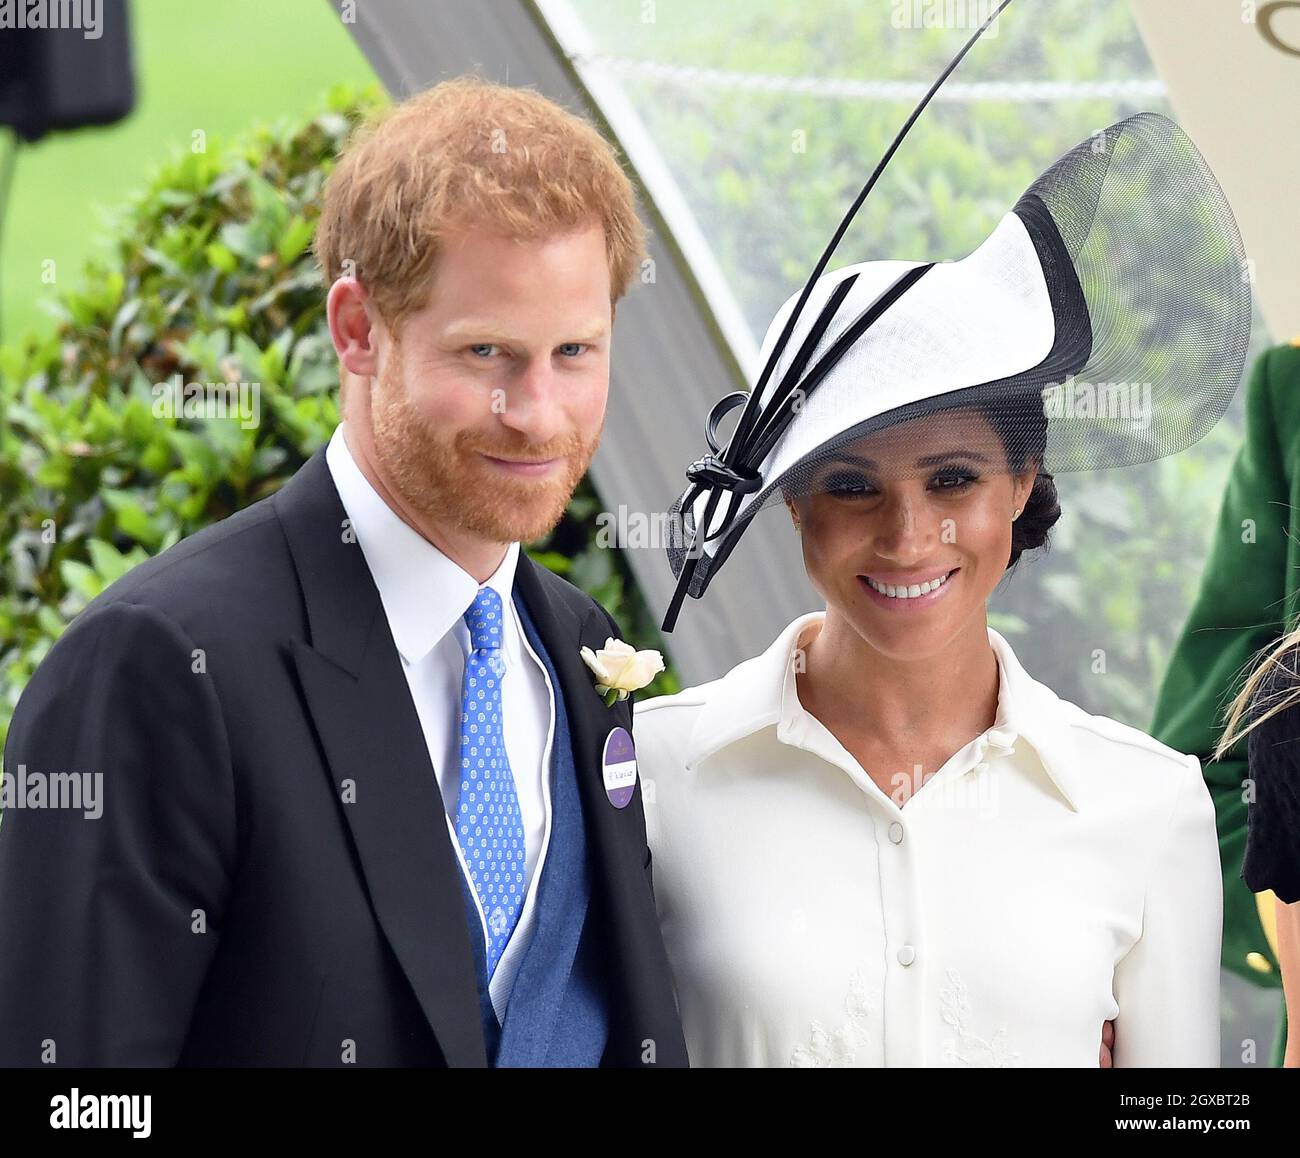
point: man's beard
(448, 481)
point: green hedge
(212, 279)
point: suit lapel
(378, 762)
(642, 1005)
(590, 721)
(616, 843)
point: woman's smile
(911, 592)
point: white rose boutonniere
(620, 668)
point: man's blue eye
(572, 349)
(480, 349)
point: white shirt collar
(424, 592)
(762, 691)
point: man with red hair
(363, 800)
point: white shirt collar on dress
(762, 691)
(424, 592)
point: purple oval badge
(618, 767)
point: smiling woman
(908, 530)
(882, 842)
(971, 449)
(855, 884)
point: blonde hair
(1260, 698)
(466, 153)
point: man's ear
(353, 327)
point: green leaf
(551, 560)
(80, 578)
(296, 238)
(221, 257)
(132, 519)
(109, 563)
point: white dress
(1058, 871)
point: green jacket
(1247, 599)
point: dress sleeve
(1273, 816)
(1167, 985)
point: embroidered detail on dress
(838, 1047)
(969, 1048)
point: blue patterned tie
(488, 820)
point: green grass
(216, 68)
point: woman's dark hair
(1023, 431)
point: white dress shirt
(1058, 871)
(425, 596)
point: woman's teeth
(910, 592)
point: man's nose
(531, 402)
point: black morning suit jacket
(272, 877)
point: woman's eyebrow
(855, 459)
(928, 460)
(936, 459)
